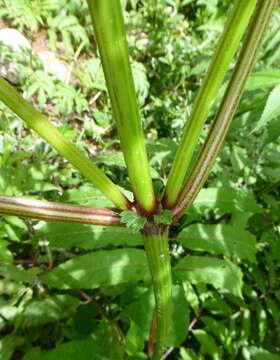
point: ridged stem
(109, 31)
(228, 107)
(228, 45)
(50, 211)
(40, 124)
(157, 250)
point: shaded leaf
(87, 236)
(103, 268)
(219, 239)
(222, 274)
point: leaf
(133, 221)
(263, 79)
(271, 110)
(254, 353)
(208, 344)
(227, 199)
(87, 236)
(102, 268)
(222, 274)
(165, 217)
(6, 257)
(19, 275)
(141, 311)
(48, 310)
(100, 346)
(219, 239)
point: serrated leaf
(164, 217)
(271, 110)
(222, 274)
(263, 79)
(102, 268)
(141, 312)
(255, 353)
(48, 310)
(87, 236)
(207, 342)
(6, 257)
(219, 239)
(226, 199)
(133, 221)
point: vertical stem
(156, 246)
(109, 31)
(228, 45)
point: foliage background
(236, 217)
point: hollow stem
(50, 211)
(228, 45)
(109, 31)
(157, 250)
(228, 107)
(40, 124)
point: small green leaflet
(271, 110)
(219, 239)
(102, 268)
(164, 217)
(222, 274)
(133, 221)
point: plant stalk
(50, 211)
(228, 45)
(40, 124)
(157, 250)
(109, 31)
(228, 107)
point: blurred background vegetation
(56, 67)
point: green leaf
(48, 310)
(141, 311)
(6, 257)
(208, 344)
(133, 221)
(102, 268)
(87, 236)
(219, 239)
(19, 275)
(222, 274)
(254, 353)
(227, 199)
(271, 110)
(100, 346)
(164, 217)
(263, 79)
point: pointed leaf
(219, 239)
(271, 110)
(222, 274)
(102, 268)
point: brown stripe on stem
(50, 211)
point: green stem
(156, 246)
(109, 31)
(235, 27)
(40, 124)
(50, 211)
(228, 107)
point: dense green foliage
(85, 291)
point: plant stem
(156, 246)
(109, 31)
(228, 45)
(40, 124)
(228, 107)
(49, 211)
